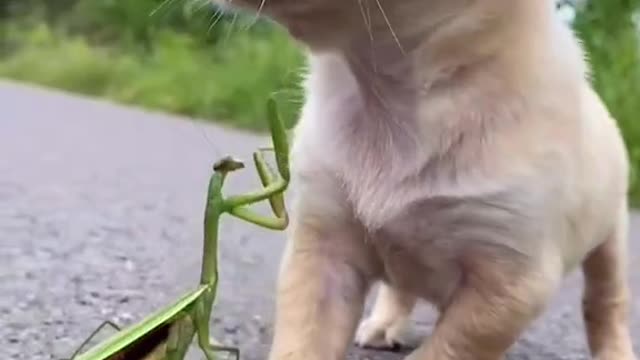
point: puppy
(455, 151)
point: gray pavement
(101, 218)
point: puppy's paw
(375, 334)
(623, 353)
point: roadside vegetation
(186, 57)
(182, 57)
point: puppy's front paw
(621, 353)
(381, 335)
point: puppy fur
(455, 151)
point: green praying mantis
(168, 333)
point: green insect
(168, 333)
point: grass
(228, 83)
(182, 64)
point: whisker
(203, 3)
(393, 33)
(262, 3)
(159, 7)
(258, 14)
(366, 20)
(215, 18)
(231, 26)
(366, 14)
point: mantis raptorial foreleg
(269, 176)
(274, 184)
(247, 214)
(273, 188)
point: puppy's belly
(432, 278)
(427, 248)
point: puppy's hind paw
(374, 334)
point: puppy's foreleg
(321, 294)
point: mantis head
(228, 164)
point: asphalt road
(101, 218)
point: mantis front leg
(274, 183)
(273, 188)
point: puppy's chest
(385, 169)
(380, 175)
(422, 211)
(412, 259)
(384, 162)
(424, 215)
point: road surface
(101, 218)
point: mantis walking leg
(201, 321)
(95, 332)
(181, 336)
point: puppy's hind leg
(489, 311)
(607, 295)
(384, 328)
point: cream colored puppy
(455, 151)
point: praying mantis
(168, 333)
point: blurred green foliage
(179, 56)
(609, 30)
(185, 56)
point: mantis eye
(228, 164)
